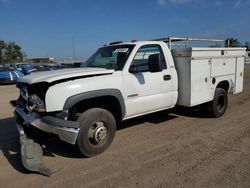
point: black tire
(97, 131)
(218, 106)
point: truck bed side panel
(184, 88)
(200, 70)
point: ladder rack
(171, 40)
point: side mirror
(133, 69)
(154, 63)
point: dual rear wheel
(218, 106)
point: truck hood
(63, 74)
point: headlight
(35, 103)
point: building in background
(43, 60)
(69, 60)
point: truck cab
(149, 79)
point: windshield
(20, 65)
(111, 57)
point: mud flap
(32, 156)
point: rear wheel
(218, 106)
(97, 131)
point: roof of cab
(135, 43)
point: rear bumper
(48, 124)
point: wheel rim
(98, 133)
(221, 103)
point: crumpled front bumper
(49, 124)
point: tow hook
(32, 154)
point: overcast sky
(47, 27)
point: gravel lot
(177, 148)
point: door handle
(167, 77)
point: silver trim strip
(11, 77)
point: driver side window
(141, 58)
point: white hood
(50, 76)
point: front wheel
(218, 106)
(97, 131)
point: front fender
(71, 101)
(62, 95)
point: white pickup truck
(124, 80)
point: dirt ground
(178, 148)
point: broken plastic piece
(32, 156)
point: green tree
(2, 47)
(13, 53)
(247, 45)
(233, 42)
(10, 52)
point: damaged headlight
(35, 103)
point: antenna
(73, 42)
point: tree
(247, 45)
(13, 53)
(10, 52)
(2, 47)
(233, 42)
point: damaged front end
(30, 111)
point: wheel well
(224, 85)
(109, 103)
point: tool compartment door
(223, 66)
(200, 82)
(239, 76)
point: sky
(47, 28)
